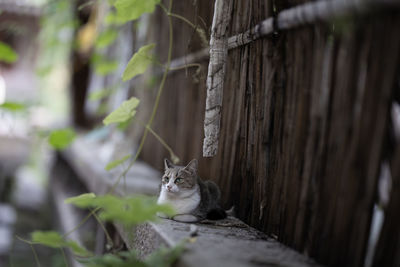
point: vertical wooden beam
(215, 77)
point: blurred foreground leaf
(7, 54)
(102, 65)
(61, 139)
(13, 106)
(163, 257)
(55, 240)
(50, 238)
(105, 67)
(77, 249)
(139, 62)
(124, 112)
(100, 94)
(106, 38)
(133, 9)
(81, 201)
(116, 163)
(121, 259)
(126, 210)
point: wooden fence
(305, 123)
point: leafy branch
(155, 107)
(110, 207)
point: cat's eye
(166, 179)
(178, 180)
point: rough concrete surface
(228, 242)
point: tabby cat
(192, 198)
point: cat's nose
(169, 187)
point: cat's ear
(167, 164)
(192, 166)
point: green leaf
(44, 71)
(106, 38)
(116, 163)
(77, 249)
(133, 9)
(139, 62)
(81, 201)
(55, 240)
(49, 238)
(165, 257)
(7, 54)
(105, 67)
(13, 106)
(102, 65)
(126, 210)
(102, 109)
(103, 93)
(113, 19)
(122, 126)
(131, 211)
(120, 259)
(60, 139)
(100, 94)
(124, 112)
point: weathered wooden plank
(301, 131)
(216, 76)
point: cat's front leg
(188, 218)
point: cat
(192, 198)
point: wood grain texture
(303, 125)
(216, 76)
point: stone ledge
(228, 242)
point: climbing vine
(127, 210)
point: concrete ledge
(228, 242)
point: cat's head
(178, 180)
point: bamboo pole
(215, 77)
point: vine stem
(183, 19)
(161, 140)
(82, 222)
(32, 247)
(64, 257)
(200, 31)
(167, 147)
(157, 101)
(109, 239)
(35, 255)
(149, 123)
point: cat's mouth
(170, 191)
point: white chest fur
(182, 205)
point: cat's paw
(185, 218)
(162, 215)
